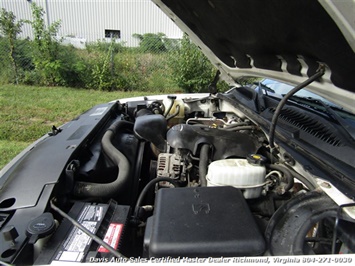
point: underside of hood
(285, 40)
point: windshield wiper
(265, 87)
(320, 72)
(321, 106)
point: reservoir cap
(256, 159)
(40, 227)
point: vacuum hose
(88, 189)
(149, 186)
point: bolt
(326, 185)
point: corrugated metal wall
(88, 19)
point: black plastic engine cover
(202, 222)
(226, 144)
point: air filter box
(202, 222)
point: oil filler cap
(40, 227)
(256, 159)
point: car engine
(169, 177)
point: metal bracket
(338, 197)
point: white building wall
(88, 19)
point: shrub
(24, 55)
(9, 28)
(151, 42)
(52, 64)
(103, 46)
(191, 69)
(73, 67)
(130, 72)
(158, 64)
(46, 49)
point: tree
(46, 55)
(10, 29)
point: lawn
(27, 113)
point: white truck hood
(283, 40)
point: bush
(130, 73)
(159, 63)
(103, 46)
(46, 49)
(151, 42)
(5, 64)
(128, 70)
(22, 57)
(48, 62)
(73, 67)
(9, 28)
(191, 69)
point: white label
(71, 256)
(99, 111)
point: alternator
(171, 165)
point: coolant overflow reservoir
(245, 174)
(177, 111)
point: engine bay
(172, 176)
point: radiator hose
(88, 189)
(203, 164)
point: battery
(70, 244)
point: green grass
(27, 113)
(9, 149)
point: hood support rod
(320, 72)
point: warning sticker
(112, 236)
(77, 241)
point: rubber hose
(203, 164)
(148, 187)
(287, 175)
(170, 107)
(174, 114)
(88, 189)
(311, 185)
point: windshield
(311, 100)
(280, 89)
